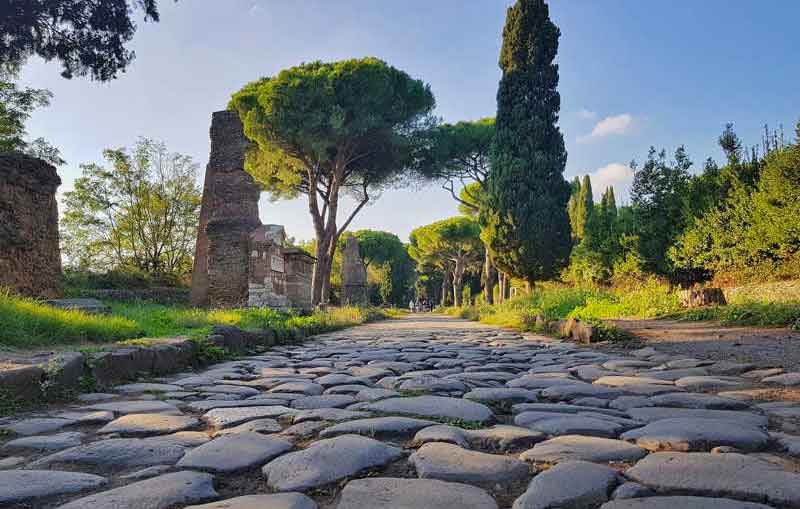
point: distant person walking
(411, 305)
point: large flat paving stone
(579, 447)
(653, 414)
(503, 438)
(379, 427)
(149, 424)
(572, 484)
(507, 395)
(718, 475)
(37, 425)
(389, 493)
(135, 407)
(275, 501)
(681, 503)
(565, 424)
(265, 426)
(24, 485)
(323, 401)
(49, 443)
(226, 417)
(434, 406)
(688, 434)
(232, 453)
(147, 387)
(448, 462)
(116, 453)
(326, 461)
(168, 490)
(696, 400)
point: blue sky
(634, 73)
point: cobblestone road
(424, 412)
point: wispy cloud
(587, 114)
(616, 175)
(619, 124)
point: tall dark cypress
(525, 219)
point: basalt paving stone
(631, 490)
(706, 383)
(240, 390)
(389, 493)
(307, 388)
(674, 374)
(80, 418)
(181, 438)
(328, 414)
(652, 414)
(304, 430)
(275, 501)
(441, 433)
(204, 406)
(135, 407)
(502, 395)
(162, 492)
(265, 426)
(572, 425)
(323, 401)
(628, 402)
(147, 473)
(326, 461)
(37, 425)
(580, 390)
(572, 484)
(43, 443)
(503, 438)
(433, 384)
(348, 389)
(149, 424)
(787, 379)
(564, 408)
(448, 462)
(718, 475)
(434, 406)
(147, 387)
(232, 453)
(378, 427)
(623, 381)
(375, 394)
(681, 503)
(116, 453)
(579, 447)
(227, 417)
(698, 400)
(28, 485)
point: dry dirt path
(425, 412)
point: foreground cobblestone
(425, 412)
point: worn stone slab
(631, 490)
(698, 400)
(567, 424)
(43, 443)
(718, 475)
(116, 453)
(384, 427)
(135, 407)
(503, 438)
(211, 404)
(705, 383)
(448, 462)
(26, 485)
(307, 388)
(681, 503)
(502, 395)
(433, 384)
(98, 417)
(391, 493)
(787, 379)
(147, 473)
(326, 461)
(441, 433)
(648, 415)
(149, 424)
(580, 390)
(434, 406)
(375, 394)
(323, 401)
(328, 414)
(265, 426)
(147, 387)
(574, 484)
(232, 453)
(37, 425)
(162, 492)
(227, 417)
(181, 438)
(274, 501)
(691, 434)
(584, 448)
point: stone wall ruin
(238, 261)
(30, 257)
(354, 274)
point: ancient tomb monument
(30, 259)
(354, 274)
(239, 261)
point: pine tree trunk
(489, 280)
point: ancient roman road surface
(426, 413)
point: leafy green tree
(390, 269)
(582, 208)
(658, 195)
(452, 245)
(327, 129)
(141, 213)
(16, 106)
(526, 226)
(458, 156)
(88, 37)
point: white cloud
(616, 175)
(619, 124)
(587, 114)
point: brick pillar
(228, 213)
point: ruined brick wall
(299, 270)
(228, 213)
(30, 258)
(354, 274)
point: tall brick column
(228, 213)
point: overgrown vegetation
(28, 323)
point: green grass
(759, 314)
(26, 323)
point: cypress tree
(526, 225)
(572, 206)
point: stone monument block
(354, 274)
(30, 257)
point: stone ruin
(238, 261)
(30, 257)
(354, 274)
